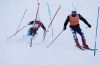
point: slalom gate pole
(52, 21)
(21, 19)
(35, 19)
(54, 16)
(50, 17)
(16, 32)
(37, 10)
(96, 31)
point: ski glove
(64, 28)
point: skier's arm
(66, 22)
(31, 22)
(43, 27)
(84, 20)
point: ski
(91, 49)
(81, 48)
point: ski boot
(85, 46)
(78, 45)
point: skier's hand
(89, 26)
(64, 28)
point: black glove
(31, 22)
(89, 26)
(64, 28)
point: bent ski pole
(16, 32)
(21, 19)
(55, 38)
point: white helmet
(74, 8)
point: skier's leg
(75, 39)
(30, 31)
(84, 42)
(34, 32)
(83, 37)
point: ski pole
(21, 19)
(16, 32)
(55, 38)
(96, 31)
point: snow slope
(16, 51)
